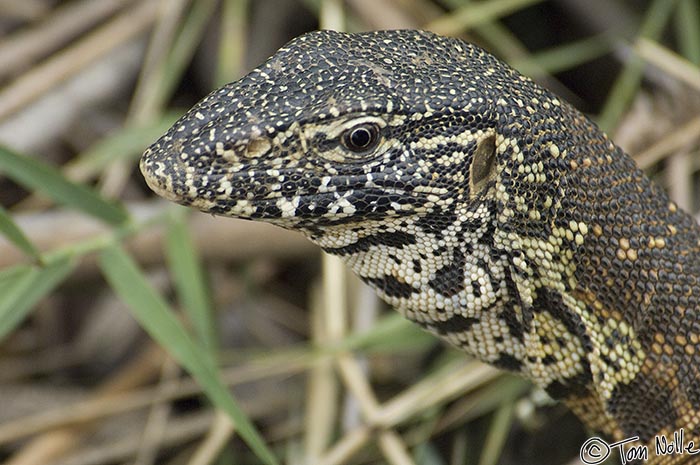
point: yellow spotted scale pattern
(475, 202)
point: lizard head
(337, 129)
(433, 169)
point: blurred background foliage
(134, 331)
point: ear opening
(483, 167)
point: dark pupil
(360, 138)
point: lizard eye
(361, 138)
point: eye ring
(361, 138)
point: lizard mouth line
(307, 202)
(265, 185)
(324, 207)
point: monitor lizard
(478, 204)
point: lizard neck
(463, 278)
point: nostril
(258, 147)
(237, 152)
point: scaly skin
(475, 202)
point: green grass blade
(156, 317)
(476, 13)
(184, 46)
(564, 57)
(13, 283)
(126, 144)
(232, 44)
(629, 79)
(496, 437)
(392, 332)
(189, 281)
(15, 235)
(428, 454)
(22, 287)
(38, 176)
(688, 29)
